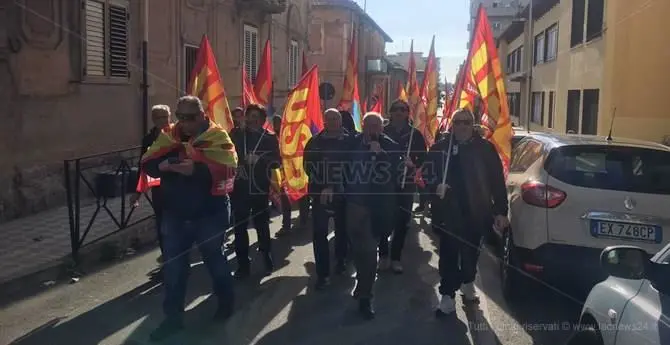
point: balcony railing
(267, 6)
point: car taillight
(541, 195)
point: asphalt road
(121, 305)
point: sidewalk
(41, 241)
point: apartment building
(555, 65)
(501, 13)
(330, 30)
(71, 76)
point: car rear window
(630, 169)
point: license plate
(627, 231)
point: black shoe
(283, 231)
(269, 263)
(242, 271)
(365, 308)
(166, 329)
(223, 312)
(419, 209)
(322, 283)
(340, 267)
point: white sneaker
(447, 306)
(469, 292)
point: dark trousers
(424, 196)
(303, 204)
(458, 259)
(157, 203)
(255, 206)
(178, 238)
(320, 218)
(402, 215)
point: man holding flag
(196, 162)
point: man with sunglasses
(401, 131)
(196, 161)
(472, 199)
(258, 153)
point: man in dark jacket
(471, 200)
(258, 153)
(400, 131)
(194, 182)
(372, 176)
(160, 116)
(325, 155)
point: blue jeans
(178, 238)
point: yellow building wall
(637, 70)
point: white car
(573, 195)
(631, 306)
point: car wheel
(513, 282)
(587, 335)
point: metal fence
(98, 188)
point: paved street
(120, 305)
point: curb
(92, 258)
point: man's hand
(500, 222)
(326, 196)
(165, 166)
(375, 147)
(135, 200)
(442, 189)
(184, 167)
(252, 158)
(408, 163)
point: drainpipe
(145, 70)
(529, 74)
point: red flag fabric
(263, 83)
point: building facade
(555, 73)
(71, 76)
(501, 13)
(330, 30)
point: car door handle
(612, 315)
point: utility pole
(529, 73)
(365, 6)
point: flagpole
(530, 65)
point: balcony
(266, 6)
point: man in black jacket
(258, 153)
(400, 131)
(471, 200)
(372, 176)
(325, 155)
(160, 116)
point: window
(525, 155)
(250, 51)
(539, 49)
(577, 25)
(552, 43)
(590, 112)
(550, 111)
(537, 107)
(190, 57)
(514, 102)
(574, 105)
(106, 38)
(293, 64)
(621, 168)
(594, 22)
(514, 60)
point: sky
(405, 20)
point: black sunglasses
(187, 116)
(399, 109)
(463, 122)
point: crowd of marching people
(211, 180)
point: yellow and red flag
(378, 98)
(263, 83)
(483, 66)
(413, 92)
(212, 148)
(206, 84)
(426, 121)
(301, 120)
(402, 93)
(248, 94)
(350, 100)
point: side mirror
(626, 262)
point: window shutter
(95, 38)
(254, 55)
(247, 51)
(118, 41)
